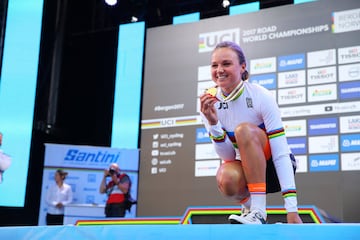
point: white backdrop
(85, 165)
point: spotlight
(134, 19)
(111, 2)
(225, 3)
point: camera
(112, 171)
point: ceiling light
(134, 19)
(111, 2)
(225, 3)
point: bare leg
(251, 141)
(231, 181)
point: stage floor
(189, 231)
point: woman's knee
(246, 133)
(231, 180)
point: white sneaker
(245, 211)
(253, 217)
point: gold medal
(212, 91)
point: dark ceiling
(96, 14)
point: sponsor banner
(295, 128)
(350, 161)
(204, 73)
(350, 124)
(202, 136)
(205, 151)
(85, 166)
(90, 157)
(320, 109)
(324, 144)
(207, 41)
(291, 79)
(350, 143)
(346, 21)
(206, 168)
(323, 126)
(349, 72)
(321, 75)
(263, 65)
(266, 80)
(171, 122)
(291, 96)
(297, 145)
(291, 62)
(321, 58)
(324, 163)
(301, 163)
(322, 93)
(349, 54)
(350, 90)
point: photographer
(116, 189)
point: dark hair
(62, 173)
(239, 52)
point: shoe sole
(234, 222)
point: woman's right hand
(207, 107)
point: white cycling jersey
(254, 104)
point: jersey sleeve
(222, 144)
(280, 150)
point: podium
(75, 212)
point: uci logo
(207, 41)
(168, 122)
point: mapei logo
(291, 62)
(350, 142)
(266, 80)
(324, 163)
(208, 41)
